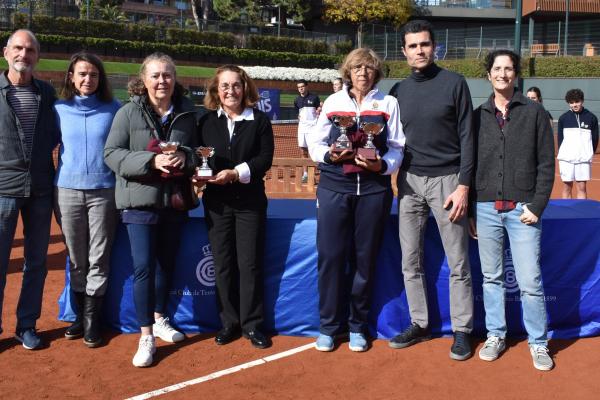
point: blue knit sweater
(84, 124)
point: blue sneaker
(358, 342)
(324, 343)
(29, 338)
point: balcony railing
(465, 3)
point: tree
(112, 13)
(251, 10)
(360, 12)
(201, 10)
(231, 10)
(297, 9)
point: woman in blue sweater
(85, 189)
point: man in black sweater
(436, 114)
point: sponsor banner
(269, 103)
(570, 272)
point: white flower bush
(291, 74)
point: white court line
(221, 373)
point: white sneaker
(541, 357)
(166, 332)
(492, 348)
(146, 349)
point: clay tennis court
(68, 370)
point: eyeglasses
(236, 87)
(357, 68)
(507, 70)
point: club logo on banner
(205, 270)
(510, 278)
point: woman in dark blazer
(235, 202)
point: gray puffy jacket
(126, 152)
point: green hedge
(186, 36)
(343, 47)
(294, 45)
(186, 52)
(470, 68)
(150, 33)
(93, 28)
(566, 67)
(542, 67)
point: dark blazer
(516, 163)
(252, 142)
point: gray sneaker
(541, 358)
(492, 348)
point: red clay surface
(68, 370)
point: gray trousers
(417, 195)
(88, 219)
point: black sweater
(436, 114)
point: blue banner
(269, 103)
(570, 271)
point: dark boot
(76, 329)
(91, 321)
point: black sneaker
(461, 348)
(411, 335)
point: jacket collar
(181, 104)
(518, 98)
(372, 93)
(247, 114)
(5, 83)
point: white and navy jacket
(577, 136)
(376, 107)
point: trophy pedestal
(369, 154)
(203, 175)
(338, 148)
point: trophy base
(204, 175)
(338, 149)
(369, 154)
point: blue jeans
(36, 212)
(154, 250)
(525, 244)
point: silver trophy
(343, 122)
(168, 147)
(204, 172)
(372, 129)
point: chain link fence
(582, 39)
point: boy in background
(577, 143)
(307, 105)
